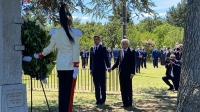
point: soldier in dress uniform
(67, 62)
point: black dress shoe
(97, 103)
(124, 106)
(102, 103)
(130, 106)
(171, 88)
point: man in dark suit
(83, 57)
(173, 71)
(155, 56)
(144, 56)
(162, 55)
(87, 56)
(126, 68)
(109, 55)
(138, 58)
(98, 63)
(167, 53)
(115, 54)
(178, 54)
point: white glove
(27, 58)
(76, 69)
(36, 55)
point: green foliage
(177, 16)
(35, 39)
(149, 24)
(149, 46)
(97, 8)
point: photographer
(172, 72)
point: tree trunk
(189, 90)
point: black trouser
(65, 85)
(143, 62)
(155, 62)
(99, 79)
(86, 61)
(137, 67)
(166, 80)
(126, 89)
(176, 82)
(83, 62)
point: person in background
(87, 57)
(144, 56)
(155, 57)
(138, 58)
(109, 55)
(176, 46)
(167, 53)
(67, 61)
(172, 72)
(83, 55)
(115, 54)
(162, 55)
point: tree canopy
(177, 15)
(97, 8)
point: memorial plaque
(14, 98)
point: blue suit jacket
(155, 54)
(144, 53)
(99, 59)
(115, 53)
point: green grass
(149, 81)
(86, 103)
(149, 94)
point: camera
(167, 60)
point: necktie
(124, 53)
(95, 49)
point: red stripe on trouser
(72, 95)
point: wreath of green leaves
(35, 40)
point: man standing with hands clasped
(98, 63)
(126, 66)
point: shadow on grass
(143, 104)
(44, 108)
(141, 75)
(157, 91)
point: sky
(161, 8)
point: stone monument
(12, 91)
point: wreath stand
(43, 92)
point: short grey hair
(125, 40)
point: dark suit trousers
(83, 62)
(99, 79)
(126, 89)
(143, 63)
(155, 62)
(65, 85)
(137, 67)
(176, 82)
(166, 80)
